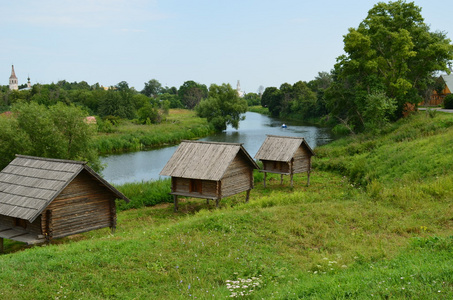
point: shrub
(448, 101)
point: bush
(448, 101)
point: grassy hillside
(375, 223)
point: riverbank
(375, 222)
(180, 124)
(322, 122)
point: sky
(258, 42)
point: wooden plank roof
(29, 184)
(280, 148)
(204, 160)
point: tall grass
(146, 193)
(179, 125)
(417, 148)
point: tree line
(391, 64)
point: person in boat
(284, 125)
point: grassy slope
(385, 236)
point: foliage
(385, 53)
(117, 103)
(191, 93)
(173, 100)
(13, 140)
(252, 99)
(152, 88)
(271, 99)
(378, 110)
(180, 124)
(223, 107)
(448, 101)
(55, 132)
(150, 113)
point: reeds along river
(146, 165)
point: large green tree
(55, 132)
(152, 88)
(191, 93)
(222, 107)
(392, 51)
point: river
(146, 165)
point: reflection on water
(146, 165)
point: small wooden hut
(43, 198)
(209, 170)
(285, 155)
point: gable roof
(448, 79)
(29, 184)
(204, 160)
(281, 148)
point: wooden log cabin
(444, 87)
(285, 155)
(209, 170)
(43, 198)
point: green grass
(388, 238)
(259, 109)
(180, 124)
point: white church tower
(238, 89)
(13, 84)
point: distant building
(437, 97)
(13, 83)
(238, 89)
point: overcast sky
(212, 41)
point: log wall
(182, 185)
(302, 159)
(84, 205)
(238, 177)
(276, 166)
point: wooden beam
(248, 196)
(281, 179)
(175, 200)
(291, 179)
(265, 179)
(1, 245)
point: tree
(13, 140)
(191, 93)
(223, 107)
(152, 88)
(55, 132)
(76, 134)
(392, 51)
(303, 101)
(272, 100)
(119, 102)
(149, 113)
(173, 100)
(252, 99)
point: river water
(146, 165)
